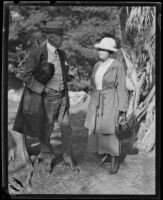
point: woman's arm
(122, 93)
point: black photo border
(4, 97)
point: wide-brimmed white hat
(107, 44)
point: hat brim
(105, 48)
(57, 31)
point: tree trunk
(17, 147)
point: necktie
(56, 54)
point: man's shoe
(46, 159)
(105, 159)
(70, 161)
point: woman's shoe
(114, 165)
(105, 159)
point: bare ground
(135, 176)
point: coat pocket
(32, 102)
(33, 113)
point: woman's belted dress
(103, 109)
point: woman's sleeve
(28, 77)
(122, 92)
(91, 82)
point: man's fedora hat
(53, 27)
(107, 44)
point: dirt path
(135, 176)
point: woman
(108, 103)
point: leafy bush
(84, 26)
(82, 85)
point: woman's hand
(122, 117)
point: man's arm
(28, 75)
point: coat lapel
(62, 62)
(94, 72)
(107, 71)
(45, 51)
(110, 68)
(96, 68)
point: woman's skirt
(103, 143)
(101, 120)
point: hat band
(57, 31)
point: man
(45, 97)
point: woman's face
(103, 54)
(55, 40)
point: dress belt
(99, 97)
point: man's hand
(45, 91)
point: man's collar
(50, 47)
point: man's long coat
(30, 118)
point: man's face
(55, 40)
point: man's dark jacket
(30, 118)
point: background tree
(139, 32)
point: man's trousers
(56, 109)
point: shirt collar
(107, 61)
(50, 47)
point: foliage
(140, 29)
(82, 85)
(84, 26)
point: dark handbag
(123, 130)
